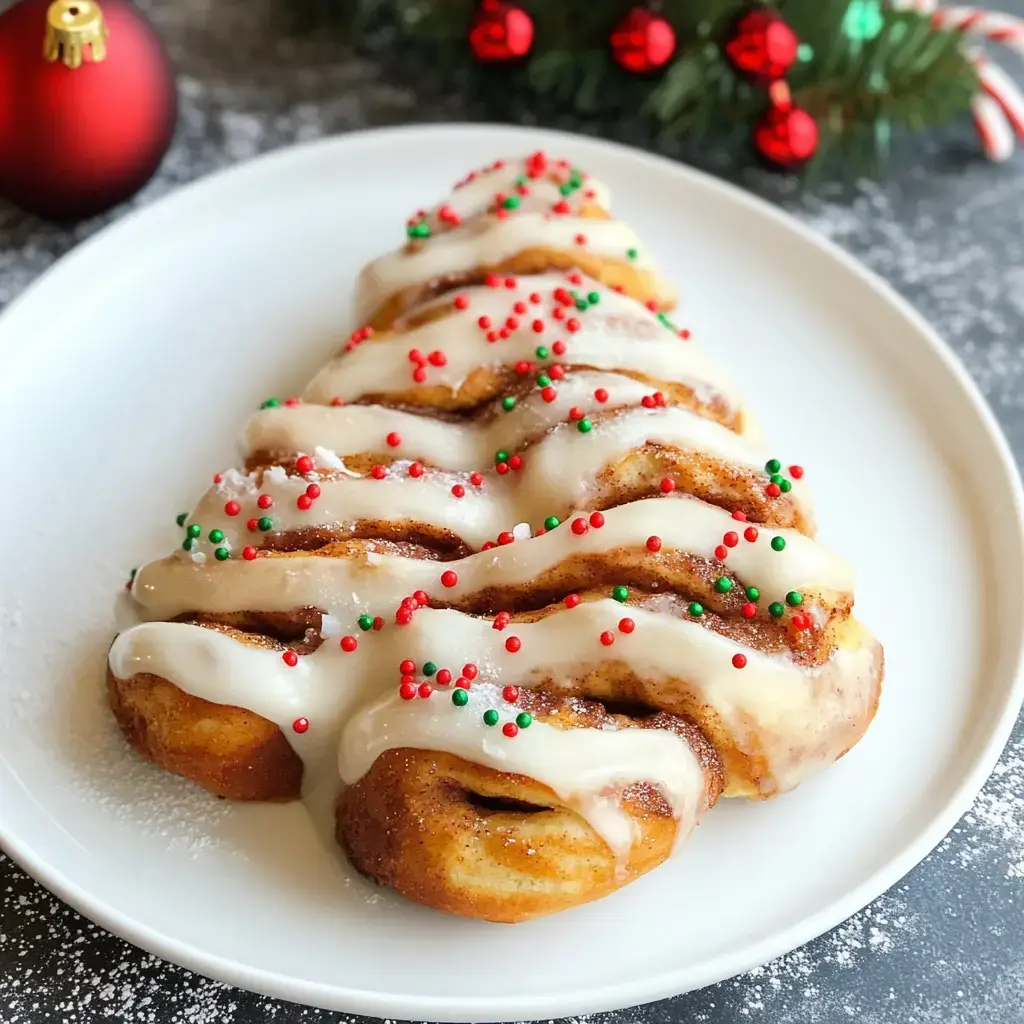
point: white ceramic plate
(127, 371)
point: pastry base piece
(227, 750)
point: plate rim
(620, 994)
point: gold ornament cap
(71, 26)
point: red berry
(572, 600)
(667, 486)
(596, 520)
(248, 553)
(264, 501)
(449, 578)
(739, 661)
(750, 534)
(626, 625)
(349, 644)
(721, 552)
(510, 729)
(579, 526)
(512, 644)
(425, 690)
(510, 694)
(607, 638)
(458, 490)
(796, 472)
(437, 358)
(407, 667)
(304, 502)
(730, 540)
(773, 490)
(601, 394)
(469, 670)
(394, 439)
(290, 658)
(300, 725)
(304, 464)
(444, 677)
(653, 543)
(232, 508)
(416, 469)
(749, 610)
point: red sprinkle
(252, 525)
(596, 520)
(515, 462)
(749, 610)
(444, 677)
(520, 307)
(291, 403)
(476, 479)
(579, 526)
(462, 683)
(572, 325)
(449, 578)
(721, 552)
(512, 644)
(505, 537)
(425, 690)
(740, 515)
(512, 323)
(653, 543)
(232, 508)
(407, 667)
(801, 621)
(510, 282)
(626, 625)
(510, 729)
(407, 691)
(313, 490)
(523, 367)
(218, 478)
(349, 644)
(667, 486)
(300, 725)
(549, 394)
(394, 439)
(304, 464)
(510, 694)
(501, 620)
(535, 298)
(572, 600)
(659, 399)
(378, 472)
(575, 413)
(421, 597)
(647, 402)
(461, 301)
(492, 281)
(684, 333)
(558, 348)
(416, 469)
(264, 501)
(501, 468)
(415, 356)
(796, 472)
(750, 533)
(739, 661)
(419, 375)
(469, 670)
(437, 358)
(581, 239)
(601, 394)
(290, 658)
(304, 502)
(730, 540)
(458, 490)
(537, 326)
(337, 401)
(773, 490)
(558, 313)
(248, 553)
(607, 638)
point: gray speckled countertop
(947, 229)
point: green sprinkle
(491, 717)
(575, 177)
(794, 598)
(551, 522)
(581, 305)
(753, 593)
(593, 298)
(508, 403)
(216, 536)
(786, 486)
(620, 593)
(265, 523)
(723, 584)
(696, 610)
(775, 609)
(133, 574)
(222, 554)
(429, 668)
(773, 465)
(420, 230)
(778, 543)
(500, 456)
(524, 720)
(460, 697)
(541, 352)
(511, 202)
(521, 180)
(776, 479)
(270, 403)
(365, 622)
(565, 189)
(632, 253)
(187, 543)
(543, 380)
(180, 518)
(584, 426)
(194, 529)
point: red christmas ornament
(763, 47)
(500, 31)
(786, 135)
(88, 106)
(643, 41)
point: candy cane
(1006, 29)
(993, 129)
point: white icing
(616, 334)
(587, 768)
(172, 586)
